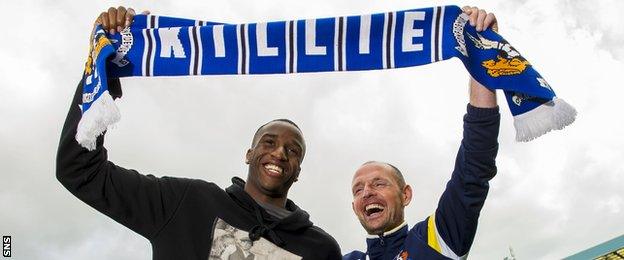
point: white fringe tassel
(553, 115)
(102, 114)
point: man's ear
(297, 174)
(248, 155)
(406, 195)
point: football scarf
(166, 46)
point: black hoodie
(184, 218)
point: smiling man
(194, 219)
(380, 193)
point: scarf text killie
(166, 46)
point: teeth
(374, 206)
(273, 168)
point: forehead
(373, 171)
(281, 130)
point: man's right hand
(480, 96)
(115, 19)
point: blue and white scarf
(166, 46)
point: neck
(259, 196)
(388, 231)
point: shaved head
(397, 173)
(255, 136)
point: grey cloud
(201, 127)
(601, 18)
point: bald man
(380, 193)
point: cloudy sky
(552, 197)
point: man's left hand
(481, 18)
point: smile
(272, 168)
(374, 210)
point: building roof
(612, 249)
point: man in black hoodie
(194, 219)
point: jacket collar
(388, 233)
(388, 244)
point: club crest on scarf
(508, 61)
(98, 108)
(98, 42)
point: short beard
(376, 231)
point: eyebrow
(299, 145)
(269, 135)
(373, 180)
(379, 179)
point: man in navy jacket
(380, 193)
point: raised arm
(451, 229)
(141, 203)
(481, 96)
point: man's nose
(367, 192)
(279, 153)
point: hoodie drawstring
(261, 229)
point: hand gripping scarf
(166, 46)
